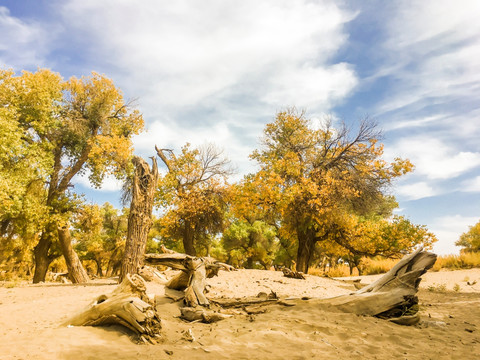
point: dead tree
(193, 275)
(140, 217)
(392, 297)
(127, 305)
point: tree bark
(98, 262)
(42, 261)
(41, 254)
(140, 217)
(128, 305)
(304, 253)
(189, 239)
(76, 271)
(194, 273)
(393, 296)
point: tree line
(320, 194)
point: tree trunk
(128, 305)
(41, 255)
(140, 217)
(393, 296)
(194, 273)
(98, 262)
(76, 271)
(304, 253)
(189, 239)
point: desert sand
(31, 318)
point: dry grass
(455, 262)
(377, 265)
(381, 266)
(338, 271)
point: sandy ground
(31, 318)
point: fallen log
(193, 275)
(393, 296)
(203, 315)
(292, 274)
(128, 305)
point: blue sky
(218, 71)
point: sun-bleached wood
(127, 305)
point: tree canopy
(321, 177)
(61, 129)
(192, 194)
(321, 189)
(470, 240)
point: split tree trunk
(42, 260)
(393, 296)
(140, 217)
(76, 272)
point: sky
(218, 71)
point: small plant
(456, 288)
(437, 288)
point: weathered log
(195, 292)
(292, 274)
(393, 296)
(203, 315)
(128, 305)
(194, 272)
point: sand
(31, 318)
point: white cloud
(471, 185)
(188, 53)
(217, 71)
(109, 183)
(434, 158)
(414, 123)
(415, 191)
(448, 229)
(21, 43)
(431, 53)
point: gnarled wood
(140, 217)
(128, 305)
(194, 272)
(393, 296)
(292, 274)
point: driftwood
(393, 296)
(201, 314)
(127, 305)
(292, 274)
(194, 272)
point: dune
(31, 318)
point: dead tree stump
(128, 305)
(194, 272)
(393, 296)
(140, 217)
